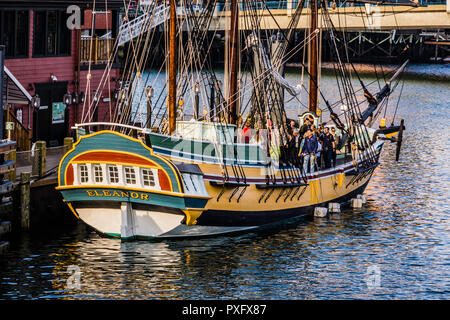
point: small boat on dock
(217, 173)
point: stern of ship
(119, 187)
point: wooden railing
(20, 133)
(95, 50)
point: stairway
(132, 29)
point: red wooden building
(45, 58)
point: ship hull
(185, 197)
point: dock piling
(25, 200)
(39, 159)
(68, 143)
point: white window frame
(102, 173)
(136, 182)
(117, 170)
(80, 175)
(155, 178)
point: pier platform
(385, 17)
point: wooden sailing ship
(199, 177)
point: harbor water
(396, 247)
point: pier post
(25, 200)
(39, 159)
(68, 143)
(12, 156)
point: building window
(83, 173)
(113, 174)
(98, 173)
(14, 26)
(148, 178)
(51, 35)
(130, 175)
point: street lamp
(36, 101)
(149, 93)
(95, 96)
(75, 98)
(197, 100)
(67, 98)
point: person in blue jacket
(309, 150)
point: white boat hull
(128, 223)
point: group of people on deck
(308, 146)
(316, 147)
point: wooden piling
(25, 200)
(68, 143)
(7, 173)
(40, 158)
(12, 157)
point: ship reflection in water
(397, 247)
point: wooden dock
(6, 187)
(29, 198)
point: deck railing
(96, 50)
(19, 133)
(285, 4)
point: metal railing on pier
(96, 50)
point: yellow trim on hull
(175, 194)
(192, 215)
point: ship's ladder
(149, 20)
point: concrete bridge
(353, 18)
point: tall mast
(233, 59)
(313, 59)
(172, 96)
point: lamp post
(67, 99)
(36, 104)
(149, 94)
(95, 97)
(212, 100)
(197, 101)
(36, 101)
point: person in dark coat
(328, 146)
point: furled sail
(254, 42)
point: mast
(233, 59)
(172, 95)
(313, 60)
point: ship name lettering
(116, 194)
